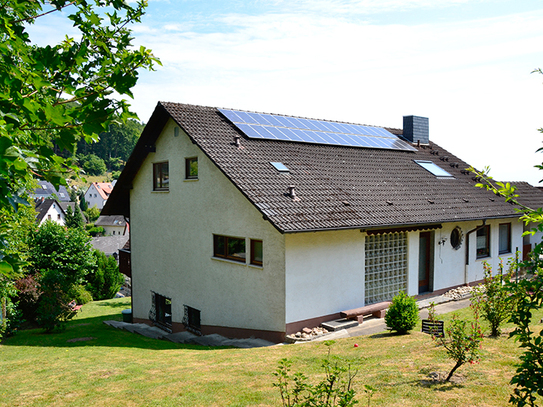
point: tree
(115, 144)
(106, 280)
(92, 164)
(74, 219)
(60, 258)
(52, 96)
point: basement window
(433, 168)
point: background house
(256, 224)
(98, 193)
(113, 225)
(47, 190)
(49, 209)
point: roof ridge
(282, 114)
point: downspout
(466, 266)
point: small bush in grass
(81, 295)
(493, 299)
(336, 389)
(403, 313)
(462, 342)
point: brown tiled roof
(338, 187)
(530, 196)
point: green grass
(117, 368)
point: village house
(248, 224)
(49, 209)
(98, 193)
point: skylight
(434, 169)
(280, 167)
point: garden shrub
(462, 342)
(403, 313)
(335, 389)
(28, 294)
(493, 299)
(106, 280)
(81, 295)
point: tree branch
(43, 14)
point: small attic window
(434, 169)
(280, 167)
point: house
(110, 245)
(47, 190)
(49, 209)
(98, 193)
(113, 225)
(248, 224)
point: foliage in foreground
(528, 297)
(403, 314)
(52, 96)
(336, 389)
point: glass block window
(386, 266)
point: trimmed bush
(403, 314)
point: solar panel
(276, 127)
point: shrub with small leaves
(403, 313)
(336, 389)
(462, 342)
(493, 299)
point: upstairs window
(256, 252)
(505, 238)
(161, 176)
(231, 248)
(483, 242)
(191, 168)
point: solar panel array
(275, 127)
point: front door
(425, 261)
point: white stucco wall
(326, 270)
(325, 273)
(172, 244)
(449, 264)
(119, 230)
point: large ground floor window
(385, 266)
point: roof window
(433, 168)
(280, 167)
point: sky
(465, 64)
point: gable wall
(54, 211)
(172, 245)
(91, 200)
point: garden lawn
(109, 367)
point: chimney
(292, 191)
(415, 129)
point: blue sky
(465, 64)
